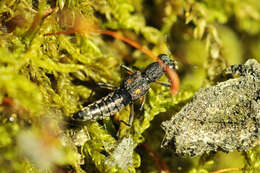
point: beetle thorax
(153, 72)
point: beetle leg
(132, 114)
(163, 83)
(131, 117)
(106, 85)
(143, 101)
(127, 69)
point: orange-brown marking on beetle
(137, 91)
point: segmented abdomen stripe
(106, 106)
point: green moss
(252, 160)
(45, 79)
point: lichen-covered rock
(222, 117)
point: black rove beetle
(132, 88)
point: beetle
(135, 86)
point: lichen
(218, 118)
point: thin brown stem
(160, 164)
(227, 170)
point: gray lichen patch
(122, 156)
(222, 117)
